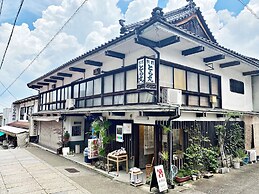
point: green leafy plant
(66, 136)
(199, 155)
(164, 156)
(230, 137)
(166, 129)
(240, 153)
(100, 130)
(184, 172)
(237, 160)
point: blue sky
(232, 5)
(101, 20)
(28, 16)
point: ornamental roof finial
(191, 3)
(157, 13)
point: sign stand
(158, 179)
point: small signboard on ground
(158, 179)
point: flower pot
(236, 165)
(182, 179)
(194, 177)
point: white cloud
(139, 10)
(174, 4)
(96, 23)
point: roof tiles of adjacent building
(172, 19)
(20, 124)
(34, 97)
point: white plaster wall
(7, 116)
(230, 100)
(68, 127)
(108, 65)
(255, 84)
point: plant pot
(194, 177)
(182, 179)
(236, 165)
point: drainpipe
(157, 71)
(156, 67)
(62, 131)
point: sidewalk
(79, 159)
(21, 172)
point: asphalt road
(238, 181)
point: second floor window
(236, 86)
(22, 113)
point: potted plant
(236, 162)
(240, 153)
(182, 175)
(66, 136)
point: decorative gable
(194, 26)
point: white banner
(150, 71)
(141, 73)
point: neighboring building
(1, 119)
(7, 116)
(22, 111)
(16, 120)
(158, 68)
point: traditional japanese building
(167, 69)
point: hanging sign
(119, 133)
(158, 179)
(146, 73)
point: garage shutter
(50, 134)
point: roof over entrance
(12, 131)
(19, 124)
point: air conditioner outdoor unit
(70, 104)
(251, 155)
(171, 96)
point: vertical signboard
(161, 179)
(146, 73)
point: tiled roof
(171, 17)
(34, 97)
(176, 16)
(20, 124)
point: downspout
(157, 71)
(156, 66)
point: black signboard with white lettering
(146, 75)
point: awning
(20, 124)
(53, 118)
(1, 133)
(12, 131)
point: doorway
(146, 145)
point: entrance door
(146, 145)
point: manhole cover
(71, 170)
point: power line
(1, 6)
(249, 9)
(44, 48)
(10, 37)
(8, 90)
